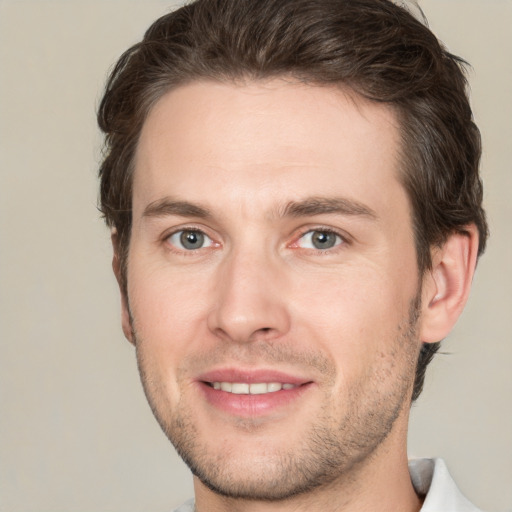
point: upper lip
(251, 376)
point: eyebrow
(305, 208)
(328, 205)
(167, 206)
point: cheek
(169, 312)
(364, 299)
(355, 316)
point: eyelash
(344, 240)
(184, 252)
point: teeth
(240, 388)
(258, 388)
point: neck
(381, 482)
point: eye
(190, 239)
(319, 239)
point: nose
(250, 299)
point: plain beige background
(76, 433)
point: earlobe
(446, 286)
(116, 267)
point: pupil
(323, 240)
(192, 239)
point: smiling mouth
(255, 388)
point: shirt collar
(431, 480)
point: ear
(446, 286)
(116, 267)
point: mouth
(252, 393)
(255, 388)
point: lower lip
(252, 405)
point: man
(293, 192)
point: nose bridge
(250, 298)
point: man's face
(272, 283)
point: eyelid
(208, 240)
(194, 228)
(344, 237)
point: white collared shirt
(431, 479)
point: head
(372, 52)
(374, 48)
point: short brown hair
(374, 47)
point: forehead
(264, 142)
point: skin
(248, 165)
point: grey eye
(318, 239)
(190, 240)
